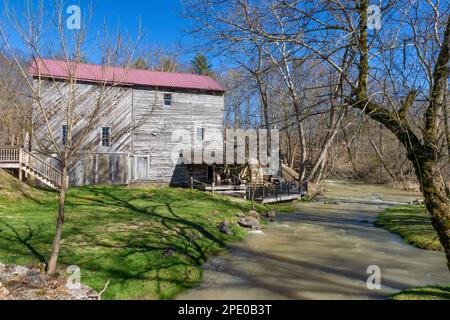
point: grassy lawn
(149, 242)
(427, 293)
(412, 223)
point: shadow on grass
(144, 236)
(149, 211)
(151, 243)
(16, 237)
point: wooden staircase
(29, 164)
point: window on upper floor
(106, 137)
(167, 99)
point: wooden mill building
(132, 139)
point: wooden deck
(9, 165)
(9, 157)
(13, 157)
(281, 198)
(265, 194)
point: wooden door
(142, 168)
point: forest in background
(289, 86)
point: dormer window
(167, 99)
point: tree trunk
(447, 124)
(437, 201)
(349, 151)
(316, 171)
(423, 155)
(292, 155)
(59, 224)
(319, 172)
(303, 151)
(380, 157)
(321, 159)
(262, 87)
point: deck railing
(12, 155)
(41, 167)
(277, 192)
(9, 154)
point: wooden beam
(20, 165)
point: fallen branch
(103, 290)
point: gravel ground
(31, 283)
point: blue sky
(161, 20)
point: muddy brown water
(322, 252)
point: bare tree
(397, 76)
(376, 97)
(12, 124)
(46, 93)
(422, 151)
(230, 28)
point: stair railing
(41, 167)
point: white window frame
(109, 137)
(171, 99)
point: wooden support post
(20, 165)
(96, 169)
(192, 183)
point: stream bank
(322, 250)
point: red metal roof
(96, 73)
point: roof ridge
(126, 68)
(58, 69)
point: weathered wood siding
(104, 106)
(155, 136)
(107, 106)
(142, 128)
(100, 168)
